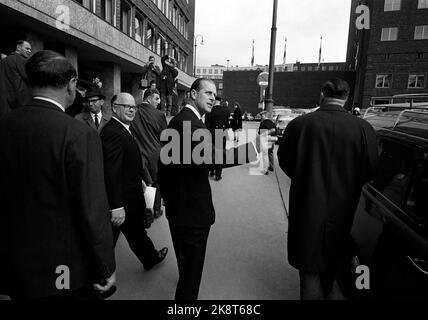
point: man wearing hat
(217, 119)
(94, 116)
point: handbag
(144, 83)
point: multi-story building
(215, 72)
(112, 39)
(392, 56)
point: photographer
(167, 82)
(151, 72)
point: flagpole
(269, 95)
(319, 57)
(252, 57)
(285, 54)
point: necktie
(97, 123)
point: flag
(285, 54)
(320, 53)
(252, 58)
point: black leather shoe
(161, 256)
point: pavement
(246, 255)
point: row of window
(170, 9)
(391, 34)
(136, 25)
(415, 81)
(209, 71)
(395, 5)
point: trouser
(190, 247)
(319, 286)
(166, 102)
(135, 233)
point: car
(390, 227)
(258, 117)
(281, 123)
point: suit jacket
(14, 89)
(218, 118)
(54, 209)
(123, 169)
(86, 118)
(148, 125)
(328, 154)
(185, 187)
(237, 119)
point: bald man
(14, 89)
(124, 174)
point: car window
(395, 170)
(417, 200)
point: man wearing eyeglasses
(124, 179)
(94, 116)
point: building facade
(111, 39)
(391, 57)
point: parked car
(258, 117)
(282, 122)
(390, 229)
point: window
(198, 71)
(417, 200)
(394, 175)
(389, 34)
(150, 37)
(330, 68)
(216, 71)
(210, 71)
(88, 4)
(107, 10)
(204, 71)
(139, 28)
(423, 4)
(387, 56)
(392, 5)
(303, 69)
(416, 81)
(384, 81)
(421, 32)
(220, 85)
(125, 17)
(310, 68)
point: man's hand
(265, 140)
(106, 285)
(118, 217)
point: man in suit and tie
(124, 178)
(148, 125)
(54, 211)
(94, 117)
(217, 119)
(186, 189)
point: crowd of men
(70, 186)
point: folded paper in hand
(149, 196)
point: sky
(229, 27)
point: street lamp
(227, 64)
(269, 95)
(194, 53)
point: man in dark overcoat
(328, 154)
(56, 240)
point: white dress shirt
(51, 101)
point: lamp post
(194, 53)
(269, 95)
(227, 64)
